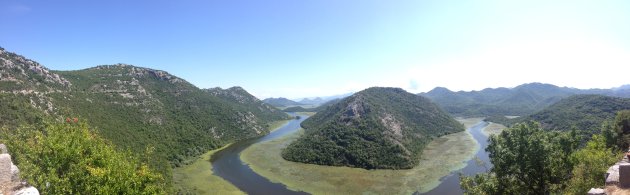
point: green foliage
(518, 101)
(521, 100)
(16, 111)
(591, 163)
(163, 111)
(375, 128)
(617, 133)
(133, 108)
(526, 160)
(584, 112)
(69, 159)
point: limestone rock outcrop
(10, 183)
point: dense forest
(383, 128)
(133, 108)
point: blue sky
(312, 48)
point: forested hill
(375, 128)
(135, 108)
(518, 101)
(584, 112)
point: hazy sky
(304, 48)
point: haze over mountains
(521, 100)
(315, 101)
(584, 113)
(281, 102)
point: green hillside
(383, 128)
(136, 109)
(584, 112)
(518, 101)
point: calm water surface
(450, 183)
(228, 165)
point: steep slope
(152, 107)
(584, 112)
(240, 99)
(134, 108)
(375, 128)
(521, 100)
(281, 102)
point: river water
(450, 184)
(228, 165)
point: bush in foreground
(66, 158)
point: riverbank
(273, 126)
(440, 158)
(198, 177)
(493, 129)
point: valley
(182, 139)
(440, 158)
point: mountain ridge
(135, 108)
(517, 101)
(586, 112)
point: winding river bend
(228, 165)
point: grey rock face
(3, 149)
(10, 176)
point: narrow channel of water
(450, 183)
(228, 165)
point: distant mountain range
(521, 100)
(582, 112)
(321, 100)
(375, 128)
(281, 102)
(133, 107)
(312, 109)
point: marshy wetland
(260, 158)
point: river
(450, 184)
(228, 165)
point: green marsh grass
(440, 158)
(493, 129)
(198, 177)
